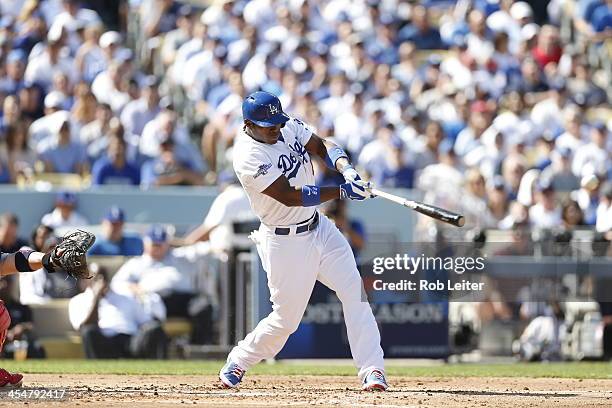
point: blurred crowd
(497, 108)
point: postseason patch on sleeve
(262, 170)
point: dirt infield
(262, 390)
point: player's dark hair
(48, 230)
(9, 218)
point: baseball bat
(431, 211)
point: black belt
(302, 228)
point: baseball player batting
(69, 255)
(298, 245)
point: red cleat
(8, 380)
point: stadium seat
(48, 180)
(176, 327)
(54, 330)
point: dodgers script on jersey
(259, 164)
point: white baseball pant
(293, 264)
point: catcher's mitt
(69, 254)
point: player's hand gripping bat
(431, 211)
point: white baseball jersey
(293, 263)
(231, 205)
(259, 164)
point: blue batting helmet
(263, 109)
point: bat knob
(461, 221)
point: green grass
(190, 367)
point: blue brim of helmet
(278, 119)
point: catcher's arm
(13, 263)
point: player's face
(267, 135)
(156, 250)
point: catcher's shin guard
(5, 322)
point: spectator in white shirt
(110, 86)
(478, 40)
(71, 19)
(116, 324)
(165, 126)
(503, 20)
(173, 275)
(339, 100)
(176, 71)
(587, 197)
(46, 126)
(217, 16)
(593, 157)
(96, 129)
(474, 200)
(604, 211)
(138, 113)
(64, 214)
(42, 67)
(470, 137)
(547, 114)
(543, 337)
(50, 9)
(572, 138)
(351, 128)
(90, 58)
(545, 213)
(174, 39)
(377, 157)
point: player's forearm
(329, 193)
(335, 157)
(342, 164)
(193, 178)
(201, 233)
(169, 180)
(35, 260)
(14, 263)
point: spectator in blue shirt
(114, 168)
(113, 240)
(138, 113)
(601, 20)
(15, 68)
(169, 169)
(585, 8)
(420, 32)
(61, 154)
